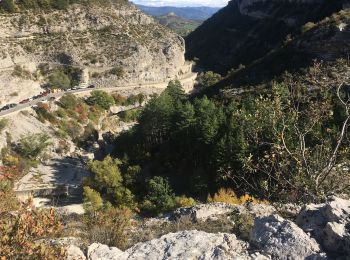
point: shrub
(184, 201)
(230, 197)
(129, 115)
(208, 79)
(44, 114)
(243, 224)
(68, 101)
(8, 202)
(3, 124)
(92, 200)
(107, 179)
(159, 197)
(19, 234)
(58, 79)
(89, 136)
(118, 71)
(119, 99)
(32, 146)
(109, 226)
(101, 98)
(8, 6)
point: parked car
(4, 108)
(24, 101)
(44, 94)
(91, 86)
(8, 106)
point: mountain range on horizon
(191, 13)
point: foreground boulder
(282, 239)
(181, 245)
(329, 224)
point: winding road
(186, 80)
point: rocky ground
(315, 231)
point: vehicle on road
(44, 94)
(8, 107)
(24, 101)
(4, 108)
(91, 86)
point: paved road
(161, 85)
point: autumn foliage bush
(21, 233)
(229, 196)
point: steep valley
(121, 140)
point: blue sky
(216, 3)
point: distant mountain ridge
(192, 13)
(178, 24)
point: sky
(214, 3)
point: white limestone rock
(181, 245)
(283, 239)
(75, 253)
(98, 251)
(211, 210)
(329, 223)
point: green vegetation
(208, 79)
(159, 196)
(12, 6)
(129, 115)
(60, 80)
(107, 179)
(130, 100)
(32, 146)
(279, 145)
(3, 123)
(62, 77)
(101, 98)
(178, 24)
(109, 226)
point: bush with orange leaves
(21, 231)
(229, 196)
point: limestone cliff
(112, 44)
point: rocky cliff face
(113, 44)
(247, 30)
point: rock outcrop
(323, 233)
(182, 245)
(282, 239)
(112, 45)
(329, 224)
(247, 30)
(211, 210)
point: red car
(24, 101)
